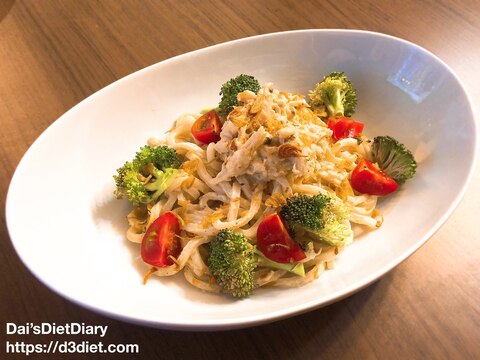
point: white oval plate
(69, 230)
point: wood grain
(55, 53)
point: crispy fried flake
(188, 182)
(238, 116)
(276, 200)
(258, 104)
(210, 218)
(346, 164)
(244, 213)
(321, 112)
(289, 150)
(184, 203)
(255, 123)
(191, 166)
(344, 190)
(273, 125)
(305, 139)
(310, 178)
(174, 260)
(306, 115)
(233, 145)
(149, 273)
(377, 215)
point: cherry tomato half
(274, 241)
(344, 127)
(366, 178)
(161, 241)
(207, 127)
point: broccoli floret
(232, 88)
(393, 158)
(335, 95)
(232, 262)
(148, 175)
(163, 157)
(320, 216)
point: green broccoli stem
(336, 108)
(162, 181)
(296, 268)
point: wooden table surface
(55, 53)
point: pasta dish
(261, 193)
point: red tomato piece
(207, 127)
(274, 241)
(161, 241)
(366, 178)
(344, 127)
